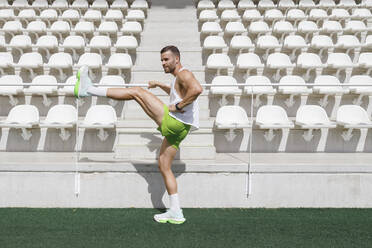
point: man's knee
(137, 91)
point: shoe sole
(177, 222)
(77, 85)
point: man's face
(168, 61)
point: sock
(174, 202)
(97, 91)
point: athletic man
(174, 121)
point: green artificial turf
(22, 227)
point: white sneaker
(171, 216)
(83, 82)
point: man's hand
(172, 108)
(153, 84)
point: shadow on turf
(155, 182)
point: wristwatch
(178, 108)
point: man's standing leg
(166, 157)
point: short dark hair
(173, 49)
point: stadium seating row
(293, 15)
(61, 117)
(283, 28)
(50, 15)
(101, 117)
(281, 4)
(76, 4)
(308, 117)
(281, 62)
(62, 61)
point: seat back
(270, 114)
(231, 115)
(62, 114)
(23, 114)
(100, 115)
(352, 114)
(312, 114)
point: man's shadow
(150, 172)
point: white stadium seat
(20, 4)
(224, 91)
(20, 43)
(6, 61)
(273, 15)
(265, 4)
(208, 15)
(226, 4)
(84, 28)
(210, 28)
(12, 28)
(218, 62)
(295, 43)
(214, 42)
(310, 62)
(242, 42)
(100, 43)
(100, 5)
(120, 62)
(61, 62)
(339, 14)
(92, 15)
(264, 88)
(20, 117)
(139, 4)
(274, 117)
(259, 28)
(36, 28)
(108, 28)
(308, 28)
(249, 62)
(26, 15)
(41, 90)
(230, 15)
(339, 62)
(347, 4)
(306, 5)
(132, 28)
(295, 15)
(354, 117)
(286, 5)
(60, 117)
(361, 85)
(318, 16)
(98, 117)
(246, 4)
(251, 15)
(46, 43)
(312, 117)
(326, 4)
(234, 28)
(80, 5)
(329, 85)
(30, 62)
(48, 15)
(365, 62)
(332, 28)
(92, 60)
(299, 88)
(126, 43)
(278, 62)
(119, 5)
(60, 28)
(135, 15)
(283, 28)
(6, 15)
(268, 43)
(205, 4)
(323, 43)
(114, 15)
(361, 14)
(357, 27)
(231, 118)
(70, 15)
(11, 91)
(351, 44)
(61, 5)
(75, 43)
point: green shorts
(172, 129)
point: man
(174, 121)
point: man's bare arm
(154, 84)
(192, 87)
